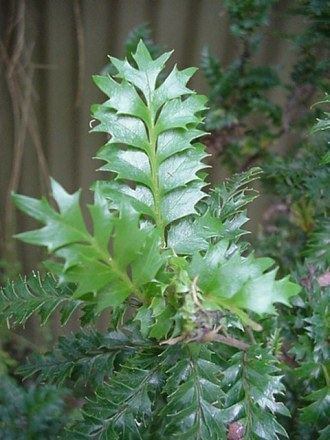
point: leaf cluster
(165, 256)
(183, 391)
(155, 231)
(306, 327)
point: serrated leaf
(163, 315)
(174, 86)
(88, 262)
(177, 113)
(233, 195)
(129, 239)
(251, 383)
(123, 406)
(35, 294)
(235, 282)
(222, 215)
(128, 164)
(63, 227)
(167, 175)
(144, 78)
(123, 97)
(175, 141)
(140, 198)
(181, 202)
(124, 129)
(193, 410)
(319, 408)
(86, 357)
(150, 260)
(189, 236)
(180, 169)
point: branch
(209, 336)
(228, 340)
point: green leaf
(251, 383)
(35, 294)
(145, 268)
(88, 262)
(171, 142)
(237, 283)
(180, 169)
(86, 357)
(162, 181)
(195, 397)
(123, 97)
(140, 198)
(144, 78)
(230, 199)
(129, 238)
(175, 205)
(122, 407)
(189, 236)
(178, 114)
(181, 202)
(124, 129)
(163, 315)
(319, 409)
(173, 87)
(128, 164)
(63, 227)
(222, 215)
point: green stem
(197, 387)
(154, 166)
(125, 404)
(106, 258)
(248, 401)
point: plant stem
(106, 258)
(154, 166)
(232, 342)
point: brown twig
(232, 342)
(250, 334)
(19, 73)
(210, 336)
(21, 117)
(19, 24)
(32, 126)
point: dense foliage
(296, 225)
(176, 266)
(31, 414)
(207, 338)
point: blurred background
(50, 48)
